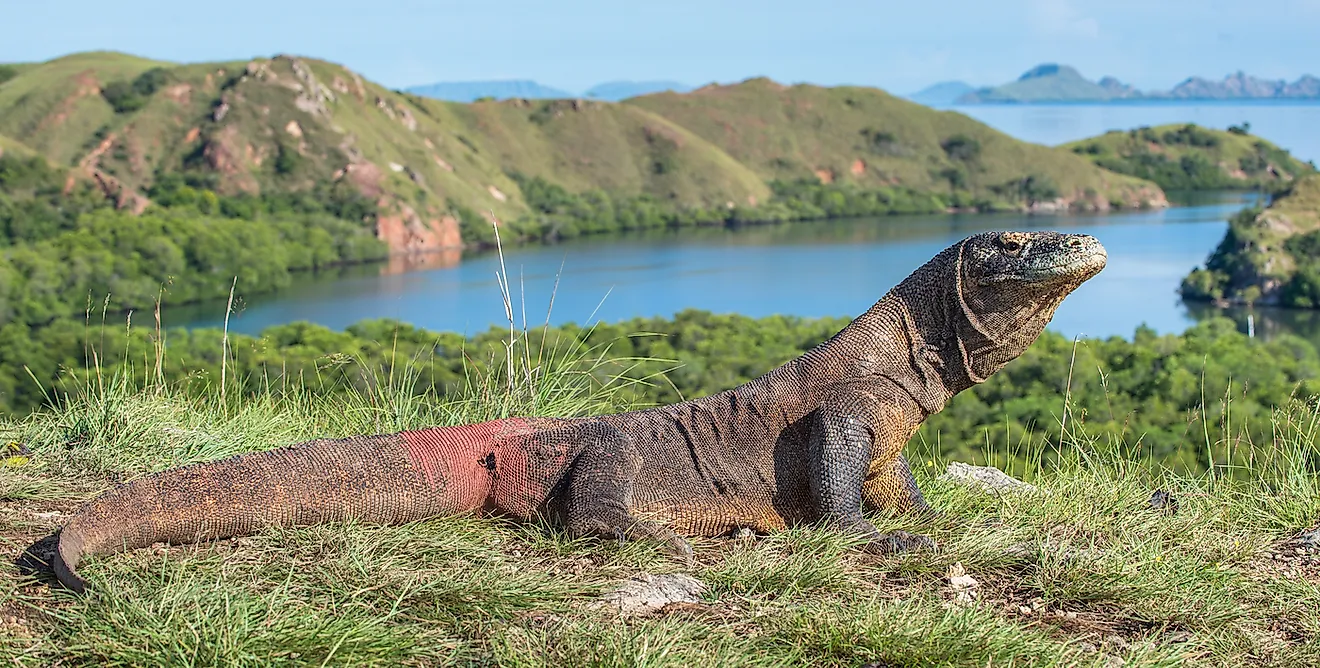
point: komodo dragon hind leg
(839, 455)
(598, 500)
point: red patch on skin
(456, 460)
(525, 472)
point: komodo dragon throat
(816, 440)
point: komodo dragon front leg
(890, 486)
(853, 454)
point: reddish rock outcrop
(405, 232)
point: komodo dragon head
(1007, 286)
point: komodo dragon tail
(389, 479)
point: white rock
(985, 478)
(649, 593)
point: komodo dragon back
(817, 440)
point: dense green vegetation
(34, 204)
(1173, 399)
(1268, 255)
(69, 250)
(1083, 572)
(560, 214)
(129, 96)
(1189, 157)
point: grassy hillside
(289, 124)
(1268, 256)
(1082, 571)
(14, 147)
(868, 137)
(582, 145)
(1189, 157)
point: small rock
(743, 533)
(1024, 610)
(648, 593)
(1111, 661)
(1164, 502)
(964, 586)
(986, 478)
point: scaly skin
(817, 440)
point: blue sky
(572, 44)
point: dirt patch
(366, 177)
(858, 167)
(181, 94)
(662, 134)
(225, 155)
(826, 176)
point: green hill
(868, 137)
(1268, 256)
(298, 125)
(1189, 157)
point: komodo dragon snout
(817, 440)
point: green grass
(1073, 575)
(7, 145)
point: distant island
(942, 94)
(1052, 82)
(473, 91)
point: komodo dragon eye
(1010, 245)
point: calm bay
(824, 268)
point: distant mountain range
(471, 91)
(1051, 82)
(942, 93)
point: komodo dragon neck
(920, 336)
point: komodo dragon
(816, 440)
